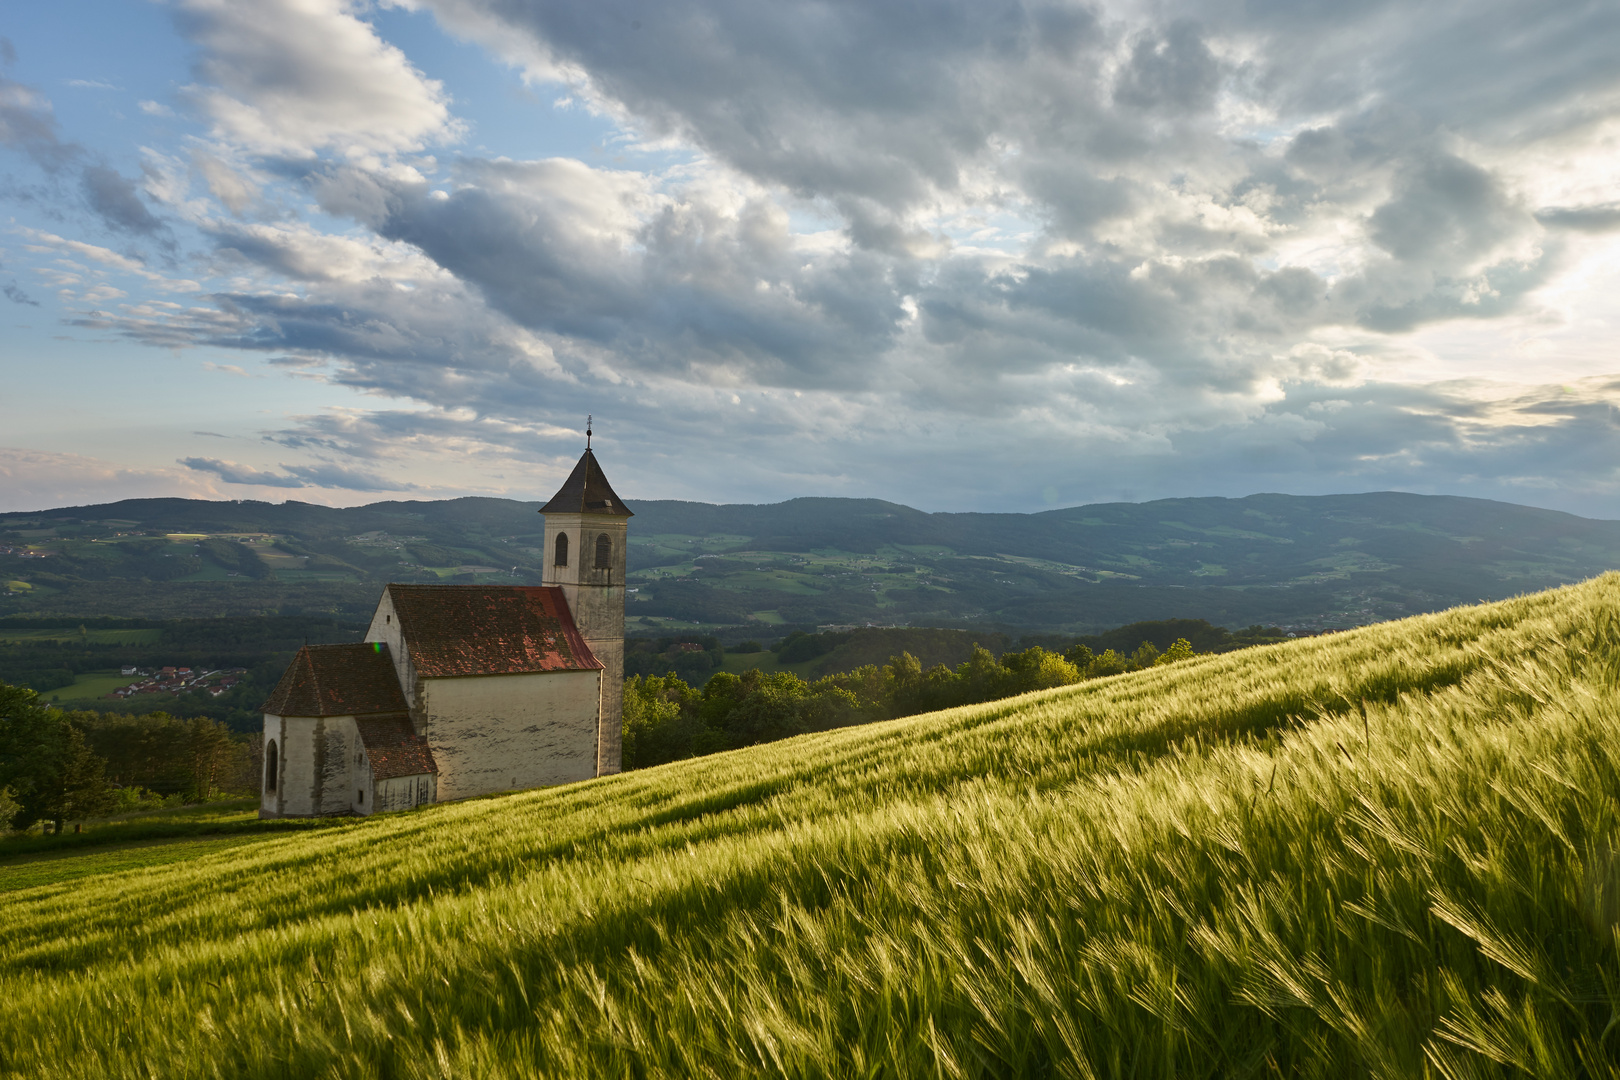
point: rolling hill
(1298, 562)
(1388, 852)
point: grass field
(89, 686)
(60, 867)
(1392, 852)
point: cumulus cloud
(300, 253)
(1177, 245)
(293, 77)
(232, 187)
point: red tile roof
(489, 630)
(338, 680)
(394, 748)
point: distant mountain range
(1296, 561)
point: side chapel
(462, 690)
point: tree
(1037, 669)
(1079, 655)
(1145, 656)
(1108, 662)
(1180, 649)
(209, 752)
(28, 758)
(83, 792)
(46, 764)
(660, 722)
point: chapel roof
(586, 491)
(489, 630)
(338, 680)
(394, 748)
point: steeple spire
(587, 491)
(587, 431)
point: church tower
(587, 529)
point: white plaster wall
(295, 787)
(316, 767)
(500, 732)
(385, 627)
(401, 793)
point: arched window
(604, 552)
(562, 550)
(270, 767)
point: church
(464, 690)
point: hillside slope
(1301, 562)
(1390, 852)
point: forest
(58, 766)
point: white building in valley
(462, 690)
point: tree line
(58, 766)
(666, 719)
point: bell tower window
(270, 767)
(562, 550)
(604, 552)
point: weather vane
(587, 431)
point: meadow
(1392, 852)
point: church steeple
(586, 491)
(586, 553)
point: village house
(464, 690)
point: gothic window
(562, 550)
(604, 552)
(270, 767)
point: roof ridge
(314, 674)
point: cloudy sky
(964, 254)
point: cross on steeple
(587, 431)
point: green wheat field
(1393, 852)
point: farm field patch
(99, 636)
(90, 685)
